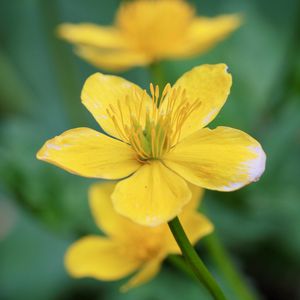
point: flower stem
(157, 74)
(179, 262)
(194, 261)
(222, 259)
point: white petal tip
(257, 165)
(255, 168)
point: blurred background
(43, 209)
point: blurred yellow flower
(160, 140)
(129, 247)
(146, 31)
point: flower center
(155, 26)
(147, 244)
(152, 128)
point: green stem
(194, 261)
(222, 259)
(179, 262)
(157, 74)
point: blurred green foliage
(43, 209)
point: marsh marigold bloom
(158, 143)
(127, 246)
(146, 31)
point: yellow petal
(223, 159)
(103, 93)
(99, 258)
(102, 46)
(152, 196)
(141, 240)
(197, 196)
(196, 226)
(88, 153)
(204, 33)
(107, 219)
(148, 271)
(208, 85)
(104, 37)
(115, 60)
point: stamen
(137, 145)
(166, 90)
(116, 124)
(153, 144)
(152, 131)
(152, 91)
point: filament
(152, 126)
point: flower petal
(194, 203)
(89, 153)
(107, 219)
(223, 159)
(104, 37)
(208, 85)
(116, 60)
(204, 33)
(152, 196)
(102, 46)
(103, 93)
(147, 272)
(99, 258)
(196, 226)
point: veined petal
(107, 219)
(113, 101)
(207, 86)
(89, 153)
(99, 258)
(116, 60)
(147, 272)
(223, 159)
(204, 33)
(103, 37)
(152, 196)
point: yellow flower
(129, 247)
(160, 141)
(146, 31)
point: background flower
(146, 31)
(128, 247)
